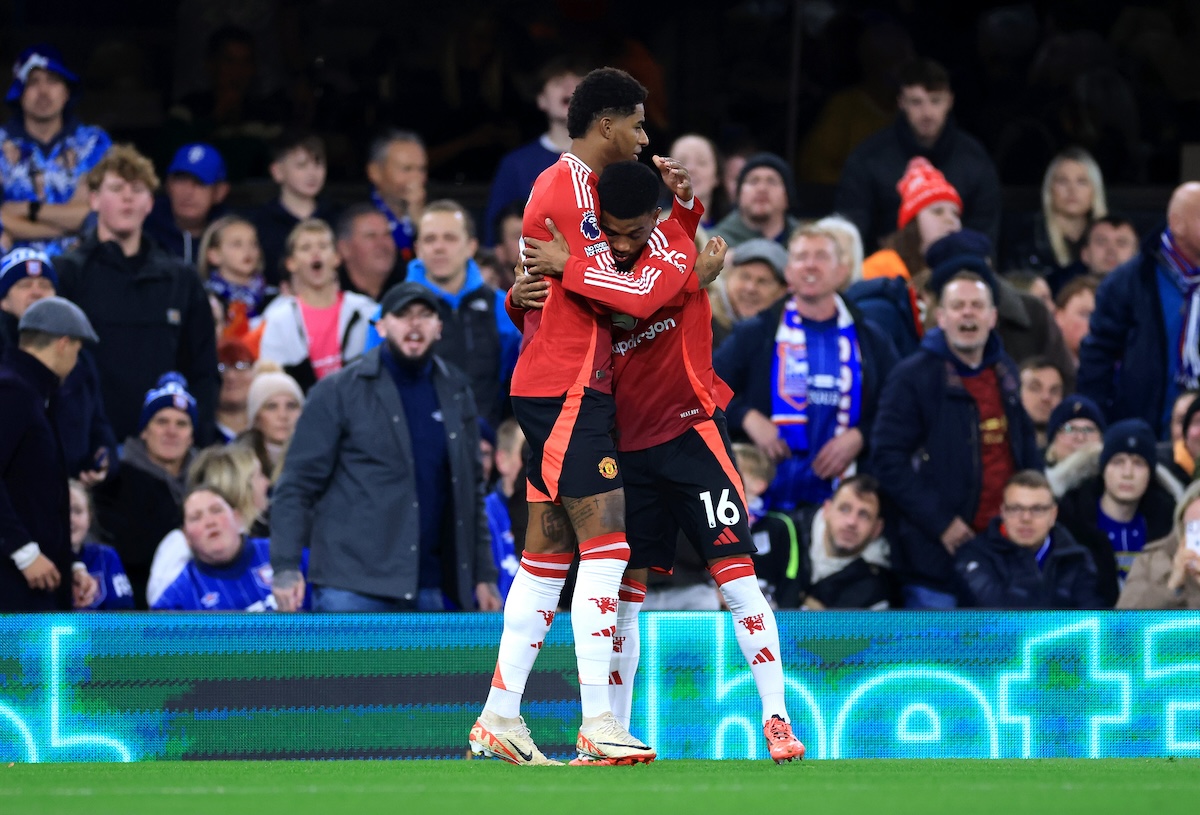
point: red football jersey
(663, 377)
(568, 342)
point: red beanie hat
(922, 185)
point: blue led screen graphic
(140, 687)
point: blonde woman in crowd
(234, 472)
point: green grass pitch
(920, 787)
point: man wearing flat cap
(45, 153)
(383, 481)
(35, 534)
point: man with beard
(383, 481)
(949, 433)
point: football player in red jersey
(562, 398)
(671, 434)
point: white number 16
(727, 511)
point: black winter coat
(998, 573)
(34, 507)
(152, 316)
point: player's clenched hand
(711, 260)
(765, 435)
(675, 176)
(529, 291)
(837, 453)
(547, 257)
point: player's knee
(730, 568)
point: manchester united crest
(608, 467)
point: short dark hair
(604, 91)
(1032, 480)
(513, 209)
(1073, 287)
(1115, 221)
(1039, 362)
(345, 222)
(861, 484)
(925, 72)
(628, 189)
(559, 66)
(297, 139)
(36, 340)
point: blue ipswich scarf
(789, 375)
(1187, 279)
(253, 296)
(402, 229)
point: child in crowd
(231, 267)
(298, 167)
(510, 441)
(113, 589)
(319, 327)
(774, 533)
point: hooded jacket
(867, 195)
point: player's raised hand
(529, 291)
(711, 260)
(547, 257)
(675, 176)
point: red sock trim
(632, 591)
(611, 546)
(550, 564)
(731, 569)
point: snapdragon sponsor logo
(623, 347)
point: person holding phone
(1167, 572)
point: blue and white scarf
(790, 376)
(1187, 279)
(254, 296)
(402, 229)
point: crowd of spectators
(302, 404)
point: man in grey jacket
(383, 481)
